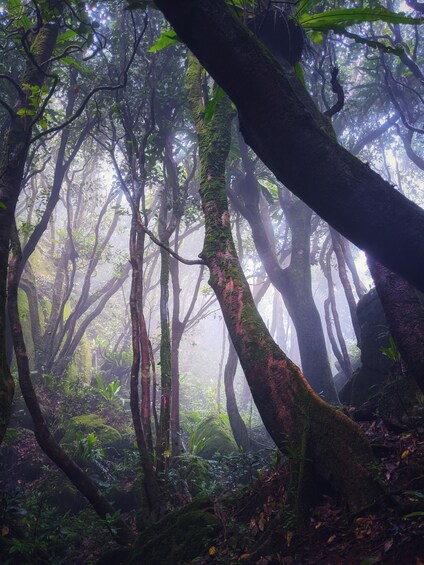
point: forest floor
(391, 532)
(255, 529)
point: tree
(326, 443)
(283, 126)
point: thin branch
(96, 90)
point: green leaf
(168, 37)
(68, 35)
(316, 37)
(25, 112)
(334, 19)
(305, 7)
(418, 514)
(3, 206)
(43, 123)
(72, 63)
(299, 73)
(212, 104)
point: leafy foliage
(108, 391)
(339, 19)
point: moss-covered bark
(291, 138)
(329, 444)
(12, 161)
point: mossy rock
(399, 405)
(213, 436)
(179, 537)
(194, 470)
(87, 423)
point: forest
(211, 282)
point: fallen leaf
(262, 522)
(388, 544)
(331, 539)
(405, 454)
(4, 530)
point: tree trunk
(12, 162)
(151, 492)
(238, 427)
(42, 433)
(326, 442)
(404, 310)
(283, 126)
(344, 279)
(294, 282)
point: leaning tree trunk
(326, 442)
(45, 439)
(293, 282)
(286, 130)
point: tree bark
(42, 433)
(12, 162)
(404, 310)
(283, 126)
(238, 427)
(326, 442)
(294, 282)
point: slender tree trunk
(152, 496)
(329, 444)
(344, 279)
(176, 336)
(238, 427)
(294, 282)
(42, 433)
(330, 309)
(163, 439)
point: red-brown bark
(328, 444)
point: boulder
(213, 437)
(369, 379)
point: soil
(257, 531)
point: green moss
(26, 326)
(212, 436)
(106, 435)
(179, 537)
(80, 367)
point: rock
(106, 435)
(375, 367)
(399, 407)
(213, 436)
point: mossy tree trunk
(12, 161)
(285, 129)
(327, 443)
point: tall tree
(328, 444)
(283, 126)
